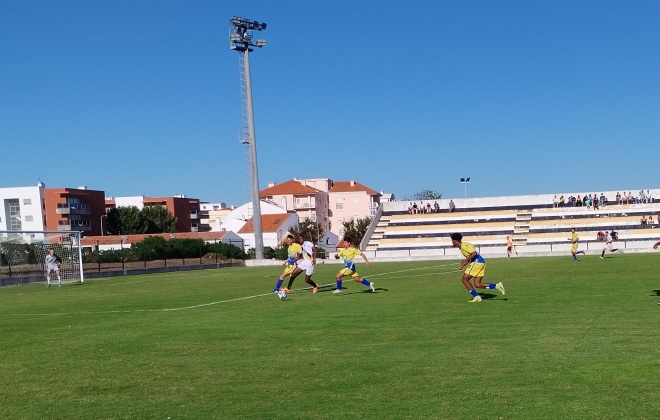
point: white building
(22, 208)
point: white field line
(216, 302)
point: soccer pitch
(569, 340)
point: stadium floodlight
(465, 181)
(241, 40)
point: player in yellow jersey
(574, 247)
(305, 262)
(348, 254)
(294, 252)
(475, 267)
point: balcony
(304, 205)
(66, 208)
(83, 225)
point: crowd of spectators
(646, 222)
(423, 208)
(595, 201)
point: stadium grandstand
(534, 222)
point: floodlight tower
(241, 40)
(465, 181)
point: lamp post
(106, 219)
(123, 238)
(241, 41)
(465, 181)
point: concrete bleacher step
(533, 229)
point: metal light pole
(465, 181)
(106, 218)
(241, 41)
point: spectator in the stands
(619, 201)
(452, 206)
(555, 201)
(428, 207)
(603, 200)
(561, 201)
(643, 221)
(642, 197)
(579, 202)
(630, 199)
(649, 199)
(596, 202)
(415, 208)
(436, 207)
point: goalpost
(23, 255)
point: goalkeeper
(53, 265)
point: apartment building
(74, 209)
(351, 200)
(39, 208)
(324, 201)
(23, 208)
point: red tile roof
(345, 186)
(289, 187)
(269, 223)
(132, 239)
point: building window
(27, 201)
(29, 219)
(14, 214)
(339, 205)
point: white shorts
(306, 265)
(608, 246)
(52, 267)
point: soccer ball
(281, 294)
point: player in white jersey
(53, 265)
(306, 263)
(608, 244)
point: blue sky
(143, 97)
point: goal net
(23, 256)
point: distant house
(274, 227)
(351, 200)
(324, 201)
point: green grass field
(569, 340)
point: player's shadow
(657, 292)
(345, 290)
(486, 296)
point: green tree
(424, 195)
(159, 219)
(356, 229)
(151, 248)
(130, 220)
(309, 230)
(114, 222)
